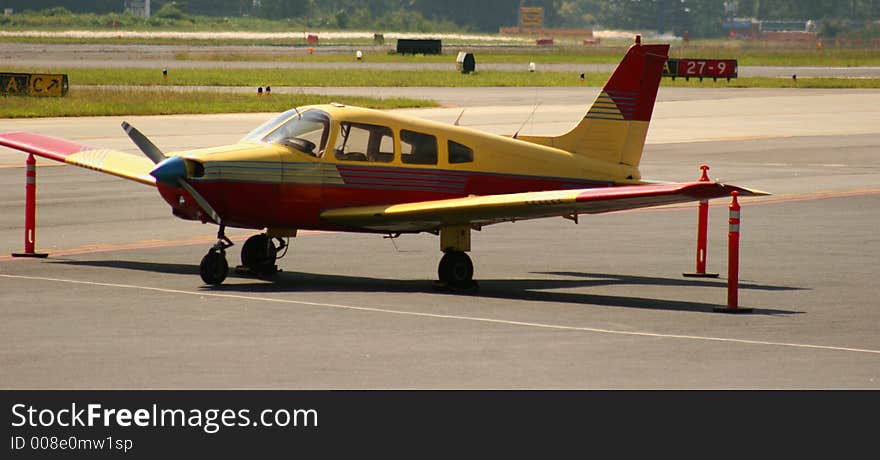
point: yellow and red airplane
(340, 168)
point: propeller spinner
(170, 171)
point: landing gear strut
(259, 253)
(214, 267)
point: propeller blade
(202, 202)
(150, 150)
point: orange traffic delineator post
(733, 260)
(30, 211)
(702, 232)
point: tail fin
(614, 128)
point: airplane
(335, 167)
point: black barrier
(419, 46)
(465, 62)
(28, 84)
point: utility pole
(661, 16)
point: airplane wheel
(214, 267)
(456, 269)
(258, 255)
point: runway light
(359, 55)
(531, 67)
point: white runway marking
(452, 317)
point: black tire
(257, 256)
(456, 269)
(214, 267)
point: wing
(490, 209)
(132, 167)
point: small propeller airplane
(341, 168)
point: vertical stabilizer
(615, 126)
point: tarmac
(598, 305)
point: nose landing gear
(214, 267)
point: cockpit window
(306, 131)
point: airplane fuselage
(367, 157)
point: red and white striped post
(30, 211)
(733, 259)
(702, 232)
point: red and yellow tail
(614, 128)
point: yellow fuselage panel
(492, 153)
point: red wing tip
(38, 144)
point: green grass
(401, 78)
(99, 102)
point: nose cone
(170, 171)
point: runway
(85, 55)
(602, 304)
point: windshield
(306, 131)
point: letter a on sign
(12, 86)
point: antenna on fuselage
(459, 117)
(526, 120)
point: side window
(364, 142)
(460, 153)
(418, 148)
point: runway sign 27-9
(700, 68)
(28, 84)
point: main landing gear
(258, 256)
(259, 253)
(456, 271)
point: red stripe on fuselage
(259, 205)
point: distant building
(137, 7)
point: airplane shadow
(533, 290)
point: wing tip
(745, 191)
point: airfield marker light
(733, 259)
(531, 67)
(702, 232)
(359, 55)
(30, 210)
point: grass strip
(777, 57)
(403, 78)
(101, 102)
